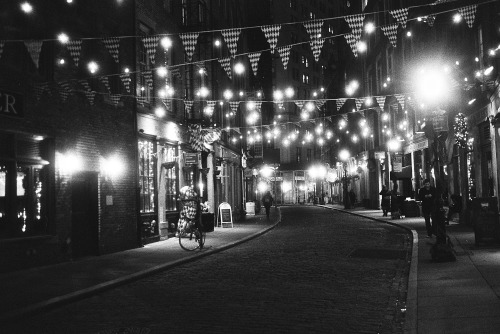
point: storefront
(229, 181)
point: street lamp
(344, 156)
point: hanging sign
(11, 104)
(190, 158)
(225, 215)
(397, 165)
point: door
(84, 218)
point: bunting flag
(314, 29)
(355, 22)
(211, 135)
(340, 103)
(40, 88)
(90, 94)
(359, 103)
(234, 106)
(226, 65)
(353, 43)
(430, 20)
(391, 32)
(299, 103)
(187, 106)
(125, 77)
(316, 47)
(105, 82)
(2, 43)
(211, 105)
(284, 52)
(437, 2)
(320, 103)
(115, 99)
(272, 33)
(64, 91)
(113, 46)
(401, 99)
(148, 76)
(150, 44)
(231, 38)
(254, 61)
(469, 14)
(74, 48)
(34, 48)
(380, 101)
(401, 16)
(189, 41)
(196, 137)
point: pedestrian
(427, 195)
(352, 197)
(386, 200)
(267, 200)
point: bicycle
(192, 235)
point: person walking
(427, 195)
(267, 201)
(386, 200)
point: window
(184, 12)
(169, 154)
(145, 76)
(305, 61)
(147, 175)
(309, 155)
(305, 78)
(24, 188)
(298, 154)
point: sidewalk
(450, 297)
(29, 291)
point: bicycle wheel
(188, 240)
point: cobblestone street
(318, 271)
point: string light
(26, 7)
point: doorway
(84, 217)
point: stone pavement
(449, 297)
(30, 291)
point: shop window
(147, 175)
(169, 154)
(24, 190)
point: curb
(411, 312)
(83, 293)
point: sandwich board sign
(225, 215)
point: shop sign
(190, 158)
(397, 164)
(380, 155)
(11, 104)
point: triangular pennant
(469, 14)
(359, 103)
(148, 76)
(34, 48)
(211, 105)
(74, 48)
(115, 99)
(299, 103)
(125, 77)
(188, 105)
(316, 46)
(272, 33)
(353, 43)
(226, 65)
(284, 52)
(2, 43)
(234, 105)
(212, 135)
(254, 61)
(401, 99)
(90, 96)
(401, 15)
(430, 20)
(231, 38)
(196, 139)
(39, 89)
(320, 103)
(391, 32)
(113, 46)
(63, 89)
(105, 82)
(150, 44)
(380, 101)
(314, 28)
(189, 41)
(355, 23)
(340, 103)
